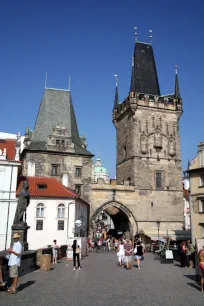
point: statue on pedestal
(23, 202)
(20, 226)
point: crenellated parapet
(135, 100)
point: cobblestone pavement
(101, 282)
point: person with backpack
(76, 254)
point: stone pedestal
(21, 230)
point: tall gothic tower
(147, 128)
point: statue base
(21, 229)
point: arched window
(60, 211)
(40, 210)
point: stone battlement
(138, 99)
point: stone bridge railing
(30, 260)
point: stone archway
(122, 217)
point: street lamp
(158, 226)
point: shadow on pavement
(177, 265)
(25, 285)
(196, 286)
(192, 277)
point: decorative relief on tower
(172, 146)
(59, 139)
(144, 143)
(157, 139)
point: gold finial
(176, 69)
(116, 79)
(135, 33)
(150, 36)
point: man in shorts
(14, 262)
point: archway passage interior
(115, 219)
(121, 222)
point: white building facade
(186, 201)
(9, 164)
(52, 213)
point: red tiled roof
(10, 146)
(54, 189)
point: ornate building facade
(148, 184)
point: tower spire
(116, 101)
(45, 80)
(133, 81)
(177, 90)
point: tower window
(150, 152)
(55, 170)
(57, 142)
(158, 180)
(78, 172)
(62, 143)
(78, 189)
(124, 151)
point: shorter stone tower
(55, 148)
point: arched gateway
(123, 219)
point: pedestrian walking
(201, 262)
(2, 283)
(76, 254)
(128, 253)
(139, 253)
(14, 262)
(109, 244)
(55, 248)
(121, 253)
(116, 245)
(190, 254)
(183, 254)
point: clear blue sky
(92, 41)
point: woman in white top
(121, 254)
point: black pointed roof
(144, 74)
(56, 108)
(116, 100)
(177, 90)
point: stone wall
(151, 140)
(145, 205)
(67, 164)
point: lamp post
(158, 226)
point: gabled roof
(144, 74)
(54, 189)
(56, 108)
(10, 146)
